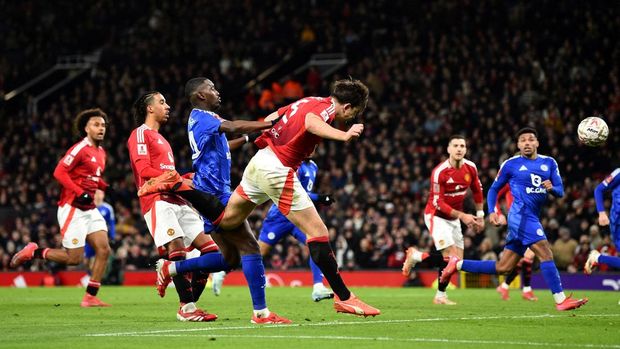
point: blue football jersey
(210, 152)
(525, 177)
(107, 211)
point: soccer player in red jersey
(79, 174)
(270, 175)
(444, 210)
(525, 264)
(172, 223)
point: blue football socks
(609, 260)
(551, 276)
(254, 272)
(210, 263)
(480, 267)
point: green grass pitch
(52, 318)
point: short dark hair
(192, 85)
(527, 130)
(457, 136)
(350, 91)
(80, 121)
(139, 106)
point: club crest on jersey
(74, 241)
(170, 232)
(544, 167)
(68, 160)
(141, 149)
(467, 177)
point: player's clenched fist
(354, 132)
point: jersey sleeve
(64, 166)
(102, 184)
(556, 179)
(476, 186)
(139, 152)
(502, 178)
(437, 193)
(609, 183)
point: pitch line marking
(392, 339)
(342, 323)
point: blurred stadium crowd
(480, 68)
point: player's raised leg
(309, 222)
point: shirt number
(193, 145)
(294, 109)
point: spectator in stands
(564, 249)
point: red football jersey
(288, 138)
(449, 186)
(150, 155)
(80, 170)
(507, 194)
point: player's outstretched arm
(240, 141)
(244, 126)
(315, 125)
(236, 143)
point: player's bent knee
(104, 251)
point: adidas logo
(93, 159)
(523, 168)
(159, 141)
(450, 180)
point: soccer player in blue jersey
(531, 178)
(211, 163)
(613, 220)
(107, 211)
